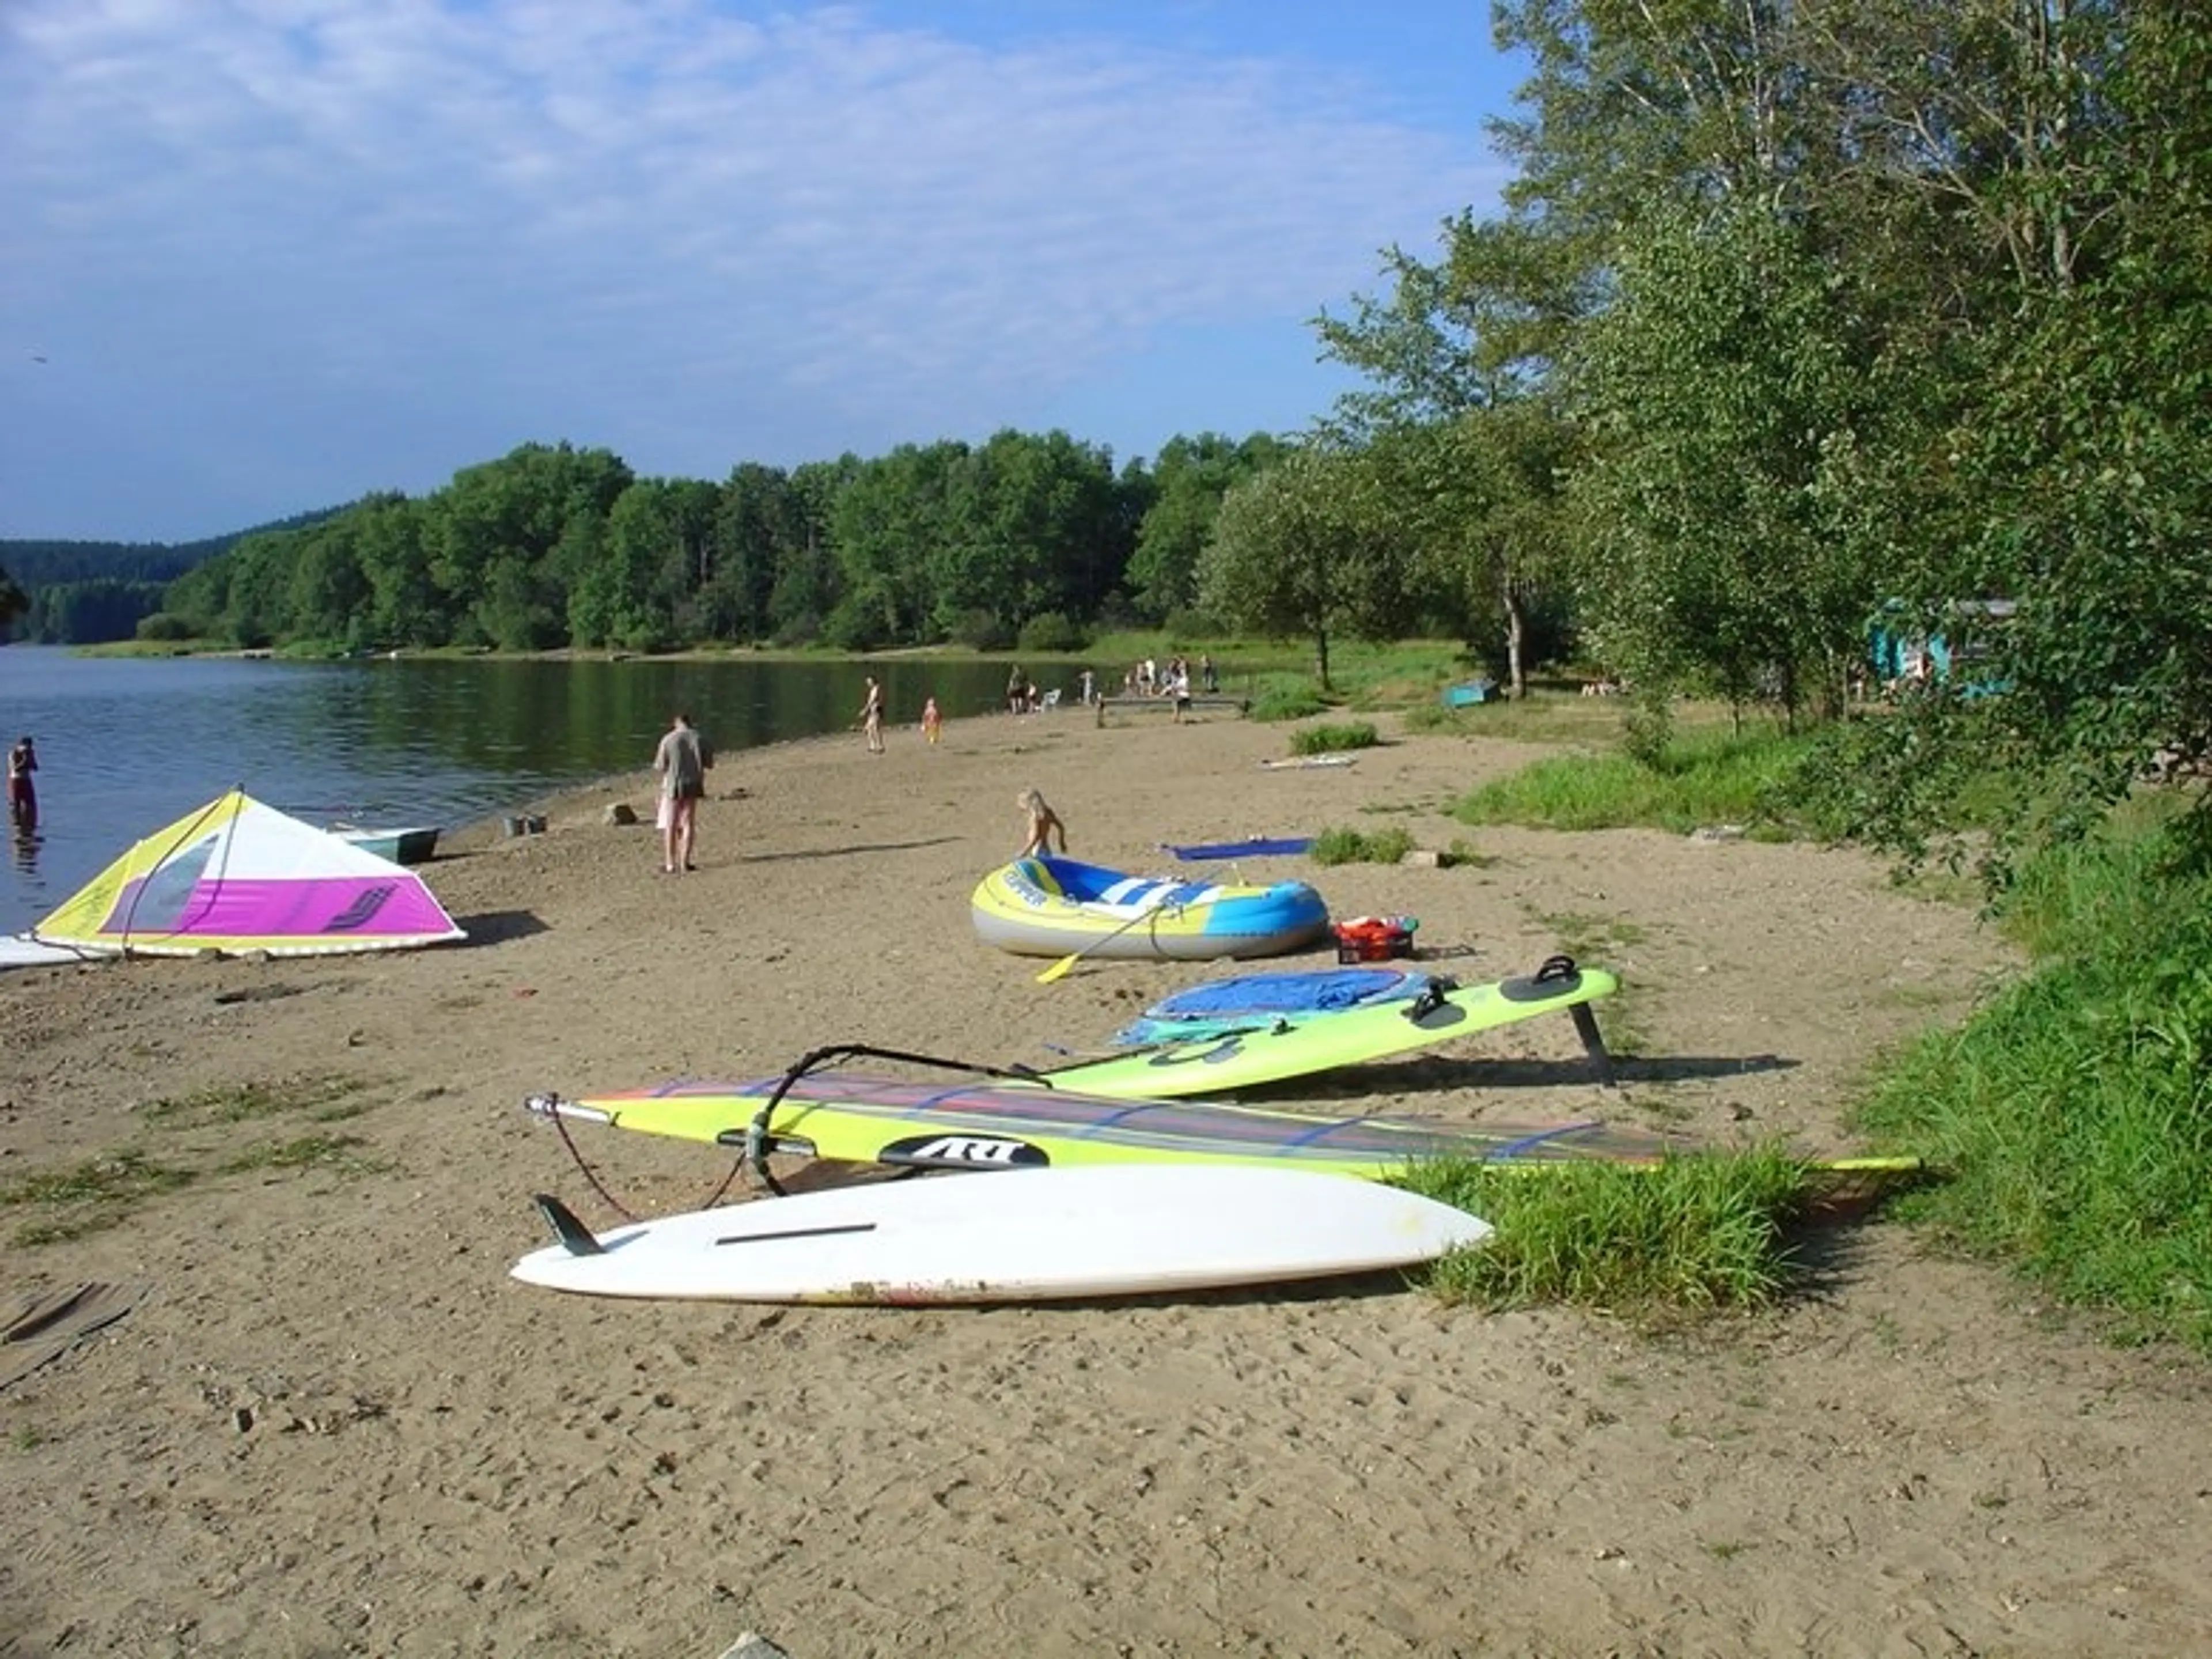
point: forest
(1798, 315)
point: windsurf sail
(237, 876)
(990, 1124)
(821, 1111)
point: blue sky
(262, 256)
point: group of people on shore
(680, 765)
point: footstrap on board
(1557, 977)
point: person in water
(1043, 823)
(681, 761)
(22, 793)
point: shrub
(1050, 633)
(1281, 701)
(1333, 740)
(853, 627)
(1711, 1230)
(1189, 622)
(164, 625)
(1358, 847)
(793, 631)
(979, 630)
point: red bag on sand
(1375, 939)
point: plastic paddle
(1060, 970)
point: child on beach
(1042, 823)
(871, 716)
(931, 719)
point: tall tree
(1188, 482)
(2089, 464)
(1716, 389)
(1304, 548)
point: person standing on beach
(871, 716)
(681, 761)
(22, 793)
(931, 722)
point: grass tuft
(1334, 740)
(1707, 777)
(339, 1153)
(90, 1197)
(1360, 846)
(1690, 1234)
(322, 1094)
(2075, 1110)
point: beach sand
(332, 1423)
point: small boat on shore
(412, 845)
(1047, 907)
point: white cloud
(601, 218)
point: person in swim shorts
(681, 761)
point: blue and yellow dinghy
(1051, 906)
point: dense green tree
(404, 605)
(1305, 550)
(760, 521)
(894, 515)
(493, 532)
(1464, 420)
(1183, 497)
(1032, 525)
(809, 581)
(1479, 501)
(85, 612)
(1715, 389)
(327, 593)
(2084, 477)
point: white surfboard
(1012, 1235)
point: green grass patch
(338, 1154)
(1588, 937)
(1688, 1235)
(90, 1196)
(323, 1096)
(1361, 846)
(2074, 1112)
(1333, 740)
(1706, 777)
(1279, 699)
(101, 1192)
(118, 1177)
(1463, 854)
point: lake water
(128, 746)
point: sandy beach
(329, 1422)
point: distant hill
(36, 564)
(84, 593)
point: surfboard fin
(575, 1237)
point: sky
(261, 256)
